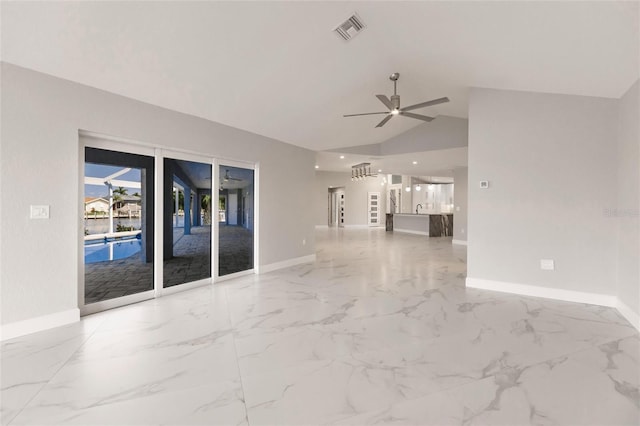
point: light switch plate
(39, 212)
(547, 264)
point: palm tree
(118, 196)
(206, 208)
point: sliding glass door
(194, 214)
(118, 224)
(188, 214)
(236, 216)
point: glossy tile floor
(380, 330)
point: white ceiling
(277, 69)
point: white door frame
(256, 219)
(159, 248)
(95, 140)
(91, 140)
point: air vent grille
(350, 28)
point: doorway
(236, 194)
(336, 207)
(186, 221)
(142, 204)
(118, 221)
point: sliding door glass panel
(118, 224)
(236, 220)
(188, 208)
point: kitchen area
(421, 205)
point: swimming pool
(101, 251)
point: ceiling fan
(394, 105)
(227, 178)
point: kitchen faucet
(419, 205)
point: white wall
(460, 195)
(443, 133)
(356, 202)
(551, 161)
(627, 208)
(40, 156)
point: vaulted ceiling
(277, 69)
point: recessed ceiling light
(415, 162)
(379, 170)
(317, 167)
(342, 157)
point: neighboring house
(95, 205)
(129, 205)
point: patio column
(177, 192)
(187, 210)
(110, 208)
(197, 209)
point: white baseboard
(628, 314)
(409, 231)
(118, 302)
(359, 226)
(544, 292)
(287, 263)
(460, 242)
(44, 322)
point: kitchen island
(433, 225)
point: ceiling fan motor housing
(395, 100)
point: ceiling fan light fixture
(393, 105)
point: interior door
(374, 208)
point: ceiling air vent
(350, 28)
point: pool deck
(191, 262)
(111, 279)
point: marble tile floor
(379, 330)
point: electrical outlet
(484, 184)
(39, 212)
(547, 264)
(462, 230)
(304, 241)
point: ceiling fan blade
(366, 113)
(386, 101)
(384, 120)
(418, 116)
(426, 104)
